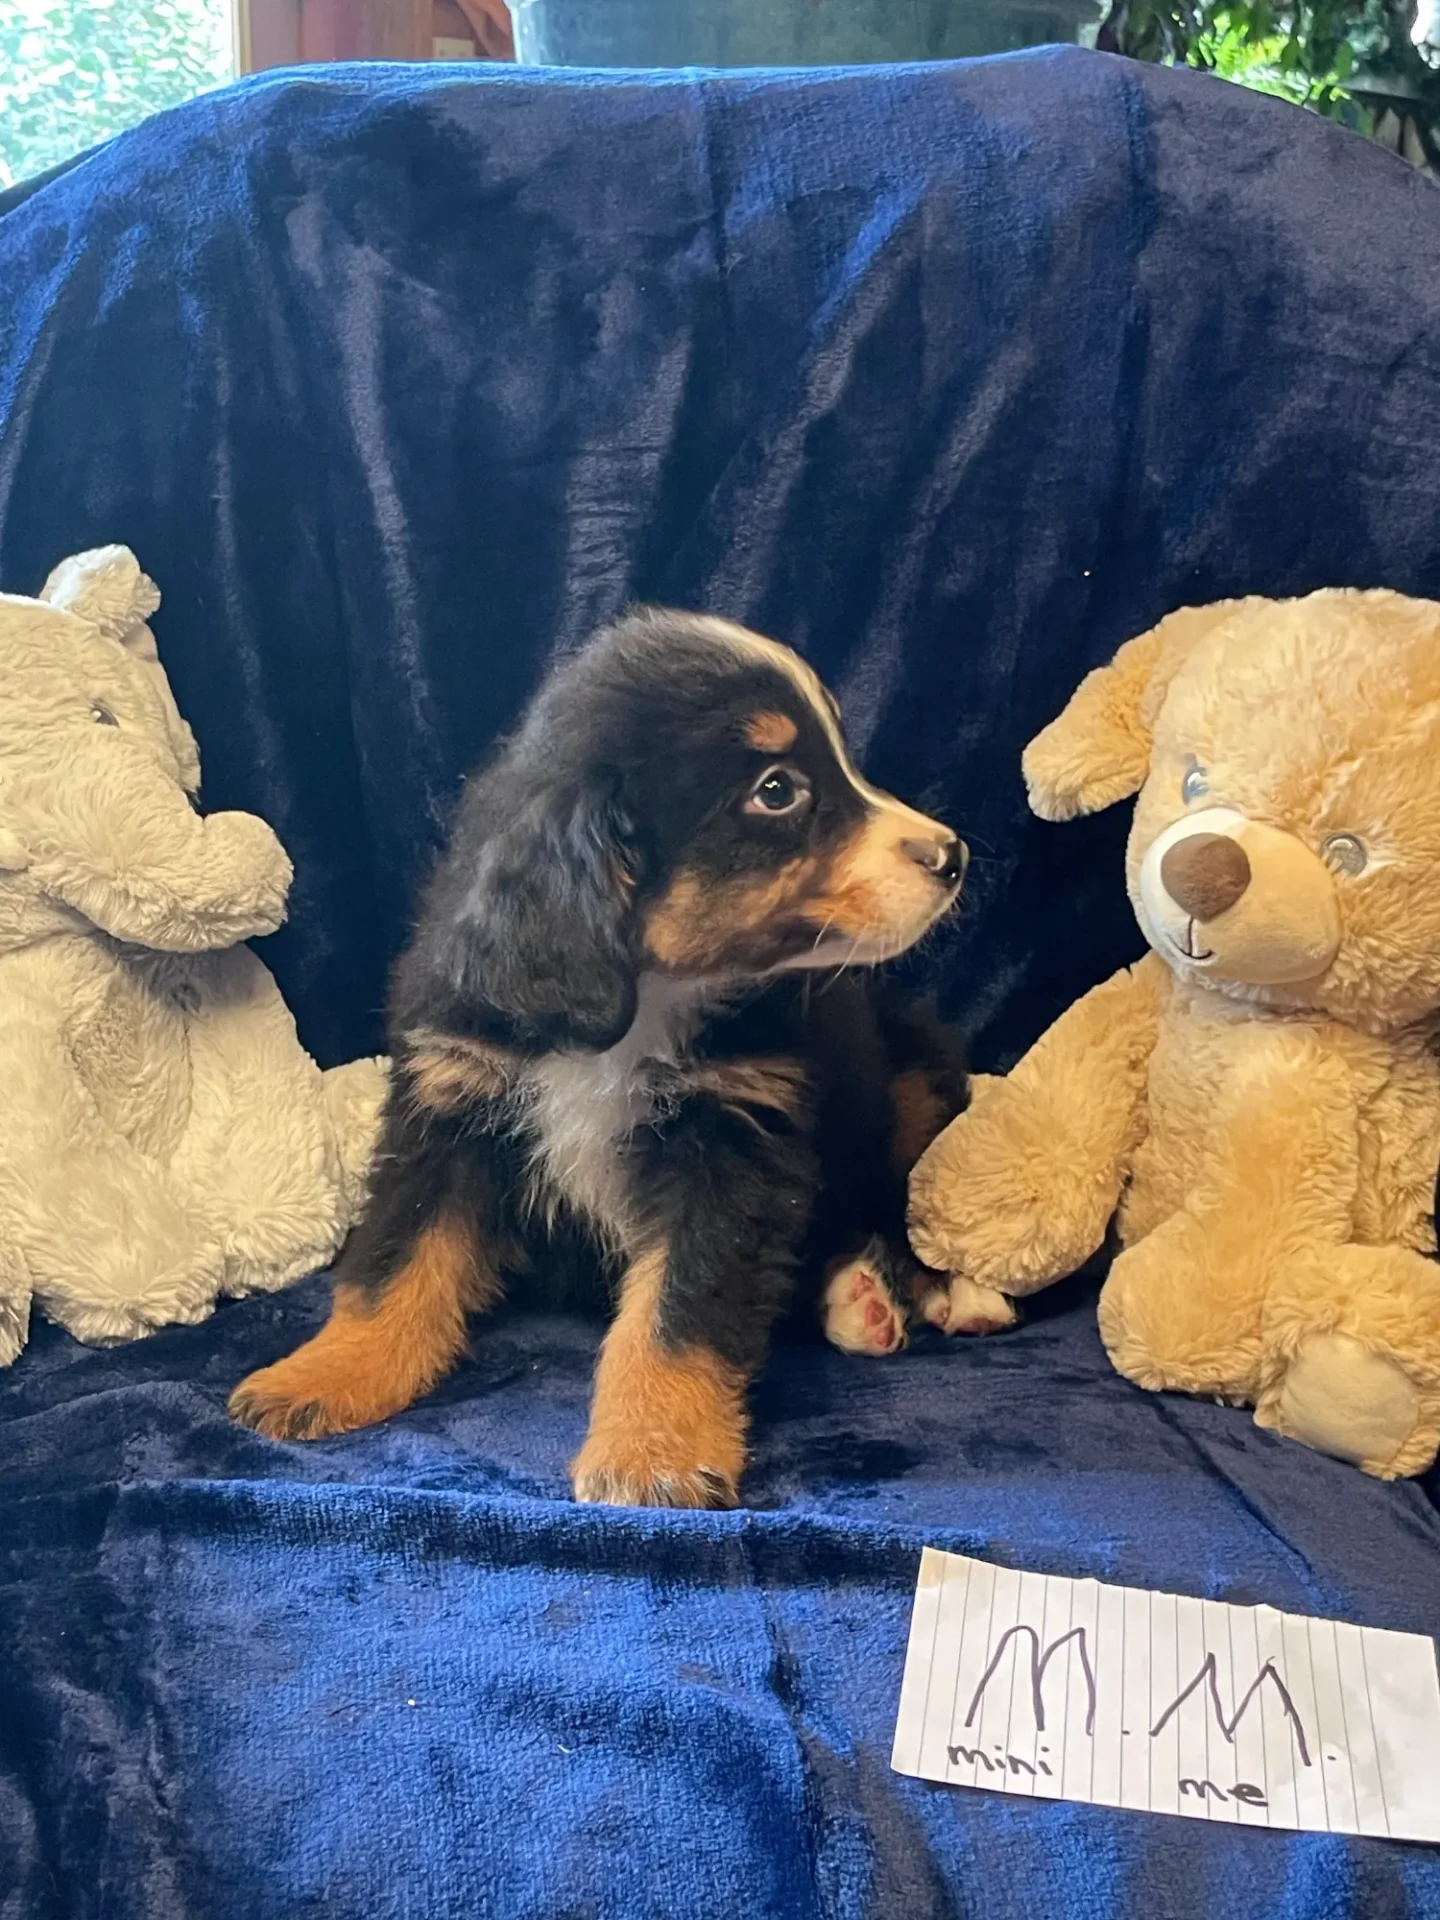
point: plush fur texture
(1258, 1101)
(621, 1031)
(163, 1137)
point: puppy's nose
(1205, 874)
(946, 857)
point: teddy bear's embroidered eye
(1194, 785)
(1345, 853)
(102, 716)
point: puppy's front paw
(290, 1402)
(963, 1306)
(858, 1311)
(323, 1388)
(650, 1475)
(667, 1424)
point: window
(73, 72)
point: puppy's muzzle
(946, 857)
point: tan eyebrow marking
(771, 732)
(813, 691)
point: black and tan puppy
(620, 1024)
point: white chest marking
(582, 1107)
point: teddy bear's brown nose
(1205, 873)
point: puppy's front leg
(669, 1418)
(668, 1421)
(417, 1263)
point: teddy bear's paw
(1009, 1221)
(963, 1306)
(858, 1311)
(1352, 1356)
(1343, 1398)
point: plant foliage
(75, 71)
(1353, 60)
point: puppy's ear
(1098, 751)
(532, 930)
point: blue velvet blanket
(399, 381)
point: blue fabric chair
(399, 381)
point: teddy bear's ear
(106, 587)
(1098, 751)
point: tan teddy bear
(164, 1138)
(1260, 1096)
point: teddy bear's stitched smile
(1188, 948)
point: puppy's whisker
(820, 937)
(850, 959)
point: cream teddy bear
(1259, 1097)
(163, 1137)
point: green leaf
(76, 71)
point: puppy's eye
(1345, 853)
(102, 716)
(778, 790)
(1195, 784)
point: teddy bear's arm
(1018, 1191)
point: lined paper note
(1072, 1690)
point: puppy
(620, 1029)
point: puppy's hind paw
(963, 1306)
(858, 1311)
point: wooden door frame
(292, 33)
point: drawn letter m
(1038, 1663)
